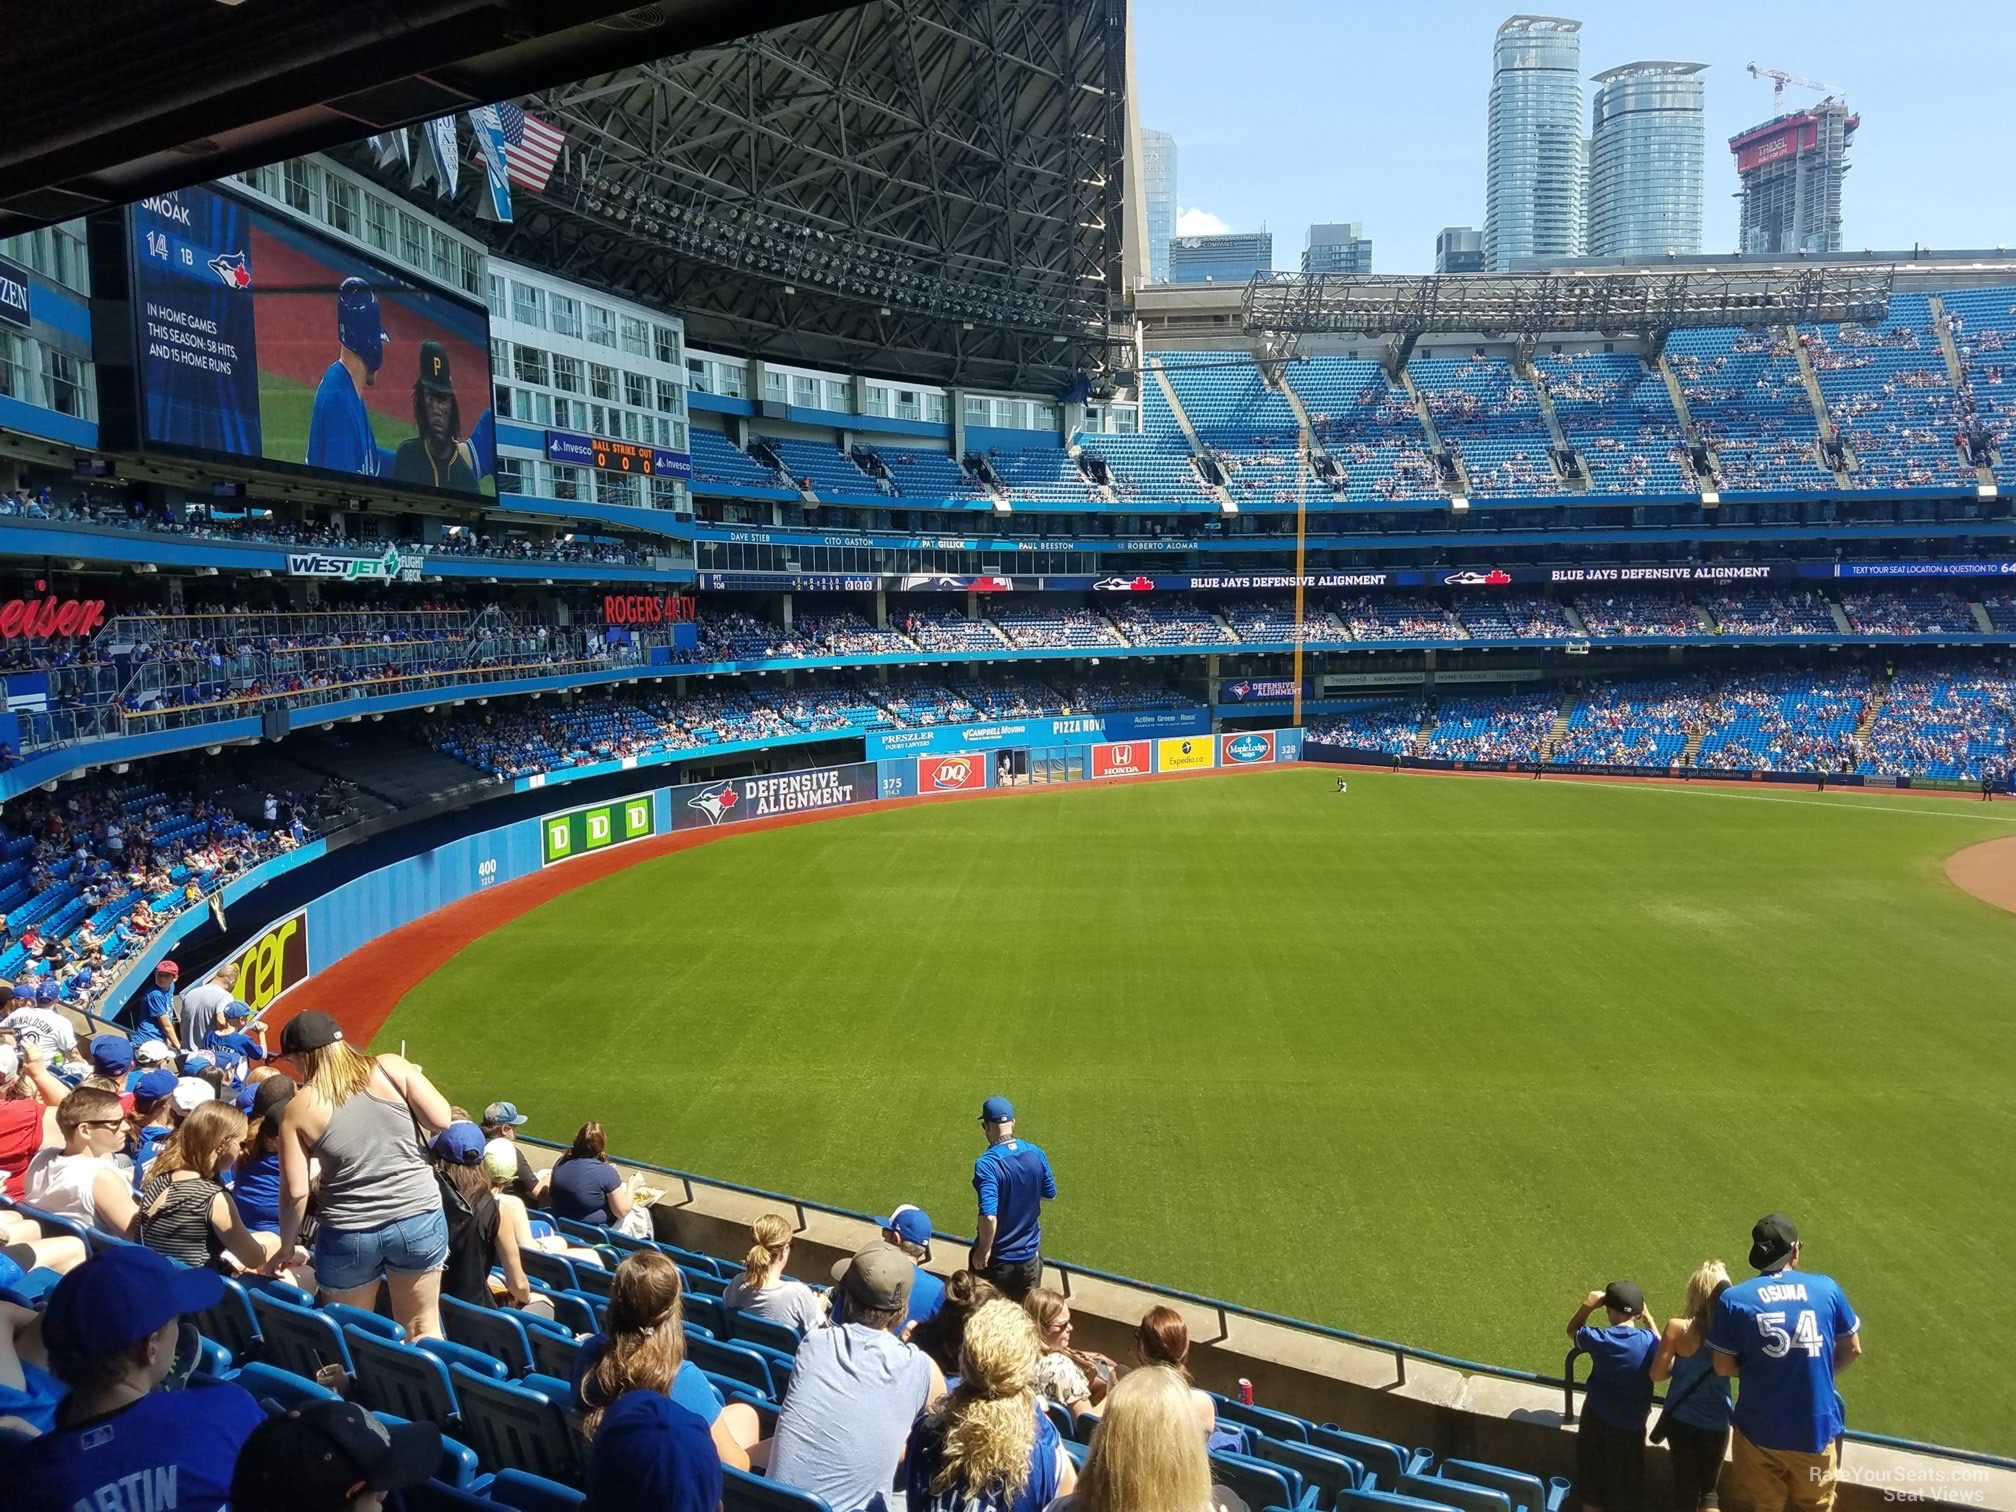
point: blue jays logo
(714, 802)
(232, 270)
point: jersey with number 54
(1782, 1329)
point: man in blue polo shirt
(157, 1007)
(1786, 1333)
(1014, 1181)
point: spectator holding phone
(1610, 1446)
(1696, 1420)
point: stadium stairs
(1199, 452)
(1560, 726)
(1677, 391)
(1822, 421)
(1523, 364)
(1956, 374)
(1879, 692)
(1840, 617)
(1435, 446)
(1981, 620)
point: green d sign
(580, 831)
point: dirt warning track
(1987, 870)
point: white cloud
(1199, 223)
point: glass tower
(1533, 181)
(1647, 146)
(1158, 193)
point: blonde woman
(644, 1349)
(185, 1211)
(1697, 1411)
(1068, 1377)
(762, 1288)
(989, 1447)
(378, 1201)
(1146, 1454)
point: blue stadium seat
(269, 1383)
(1061, 1419)
(557, 1271)
(448, 1352)
(709, 1313)
(511, 1428)
(396, 1377)
(577, 1312)
(300, 1339)
(1276, 1425)
(1461, 1495)
(1328, 1472)
(1260, 1484)
(553, 1352)
(533, 1493)
(743, 1492)
(1384, 1462)
(574, 1228)
(376, 1324)
(1528, 1493)
(232, 1322)
(747, 1364)
(213, 1359)
(1384, 1501)
(458, 1465)
(747, 1328)
(593, 1280)
(53, 1225)
(495, 1331)
(701, 1284)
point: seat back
(346, 1316)
(269, 1383)
(299, 1338)
(747, 1328)
(1328, 1472)
(448, 1352)
(577, 1312)
(458, 1465)
(1384, 1462)
(741, 1363)
(492, 1330)
(1276, 1425)
(533, 1493)
(594, 1281)
(511, 1428)
(1526, 1492)
(1256, 1482)
(397, 1378)
(52, 1225)
(709, 1313)
(743, 1492)
(1384, 1501)
(232, 1322)
(553, 1353)
(701, 1284)
(557, 1271)
(1454, 1493)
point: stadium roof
(929, 189)
(157, 94)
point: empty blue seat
(511, 1428)
(743, 1492)
(493, 1330)
(212, 1359)
(1276, 1425)
(269, 1383)
(557, 1271)
(300, 1339)
(231, 1322)
(747, 1328)
(1528, 1493)
(1384, 1462)
(398, 1378)
(1260, 1484)
(701, 1284)
(379, 1326)
(709, 1313)
(1455, 1493)
(533, 1493)
(553, 1351)
(574, 1228)
(745, 1364)
(1383, 1501)
(1327, 1471)
(448, 1352)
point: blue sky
(1292, 111)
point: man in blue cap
(1013, 1180)
(111, 1056)
(113, 1333)
(909, 1230)
(652, 1455)
(340, 437)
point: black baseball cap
(311, 1031)
(1625, 1297)
(322, 1455)
(435, 371)
(1771, 1240)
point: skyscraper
(1337, 247)
(1231, 258)
(1791, 169)
(1533, 178)
(1646, 145)
(1158, 192)
(1459, 249)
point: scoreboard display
(621, 456)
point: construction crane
(1779, 79)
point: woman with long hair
(643, 1348)
(379, 1216)
(1163, 1338)
(989, 1447)
(762, 1288)
(586, 1187)
(476, 1233)
(1146, 1454)
(1697, 1399)
(943, 1333)
(186, 1213)
(1070, 1378)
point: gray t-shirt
(854, 1394)
(792, 1303)
(200, 1007)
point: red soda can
(1245, 1391)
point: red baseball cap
(168, 968)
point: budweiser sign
(41, 618)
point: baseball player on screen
(437, 457)
(339, 427)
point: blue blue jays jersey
(339, 428)
(1782, 1329)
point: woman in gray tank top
(378, 1211)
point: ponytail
(773, 1236)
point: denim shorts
(349, 1258)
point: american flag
(531, 147)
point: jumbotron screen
(259, 338)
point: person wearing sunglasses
(80, 1179)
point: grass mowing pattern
(1428, 1061)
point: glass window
(566, 480)
(805, 391)
(665, 339)
(299, 185)
(503, 401)
(378, 224)
(935, 408)
(636, 336)
(616, 488)
(495, 300)
(344, 199)
(529, 364)
(601, 381)
(567, 372)
(509, 478)
(775, 387)
(678, 435)
(836, 395)
(601, 326)
(907, 407)
(734, 381)
(564, 412)
(696, 374)
(500, 356)
(63, 376)
(566, 316)
(598, 419)
(13, 373)
(976, 410)
(637, 390)
(665, 493)
(528, 304)
(668, 397)
(1044, 416)
(472, 268)
(877, 400)
(412, 240)
(447, 263)
(67, 263)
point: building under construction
(1791, 170)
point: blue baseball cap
(910, 1224)
(49, 992)
(197, 1060)
(237, 1010)
(461, 1143)
(119, 1297)
(245, 1096)
(997, 1110)
(111, 1053)
(652, 1455)
(154, 1085)
(505, 1113)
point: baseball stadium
(714, 654)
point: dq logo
(952, 774)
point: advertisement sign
(1183, 754)
(647, 608)
(607, 455)
(707, 805)
(393, 567)
(259, 338)
(1128, 758)
(1914, 569)
(1251, 748)
(950, 774)
(577, 832)
(1068, 730)
(273, 963)
(1251, 689)
(13, 293)
(40, 618)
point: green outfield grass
(1427, 1061)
